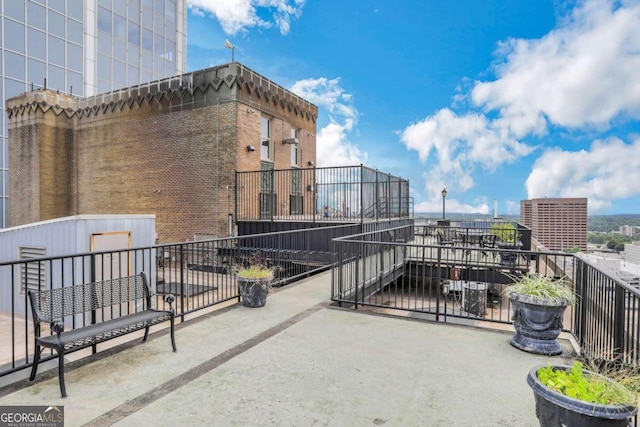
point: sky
(493, 100)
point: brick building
(170, 148)
(556, 223)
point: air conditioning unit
(293, 141)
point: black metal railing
(349, 193)
(409, 269)
(199, 274)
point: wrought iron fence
(349, 193)
(199, 274)
(411, 269)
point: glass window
(170, 68)
(133, 75)
(158, 66)
(104, 43)
(134, 11)
(74, 31)
(159, 8)
(14, 9)
(105, 3)
(14, 36)
(104, 67)
(171, 11)
(104, 20)
(36, 72)
(75, 83)
(75, 9)
(170, 30)
(158, 45)
(56, 24)
(13, 88)
(55, 78)
(147, 60)
(147, 18)
(133, 53)
(104, 86)
(145, 76)
(56, 51)
(119, 27)
(119, 73)
(120, 49)
(120, 7)
(36, 44)
(148, 4)
(14, 65)
(75, 60)
(265, 152)
(134, 33)
(57, 5)
(147, 39)
(36, 16)
(170, 53)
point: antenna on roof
(228, 45)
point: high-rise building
(556, 223)
(84, 47)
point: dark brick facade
(170, 148)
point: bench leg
(146, 334)
(36, 360)
(173, 338)
(63, 389)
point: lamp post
(444, 195)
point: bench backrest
(55, 304)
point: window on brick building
(295, 151)
(265, 139)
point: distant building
(556, 223)
(170, 148)
(628, 230)
(632, 252)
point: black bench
(52, 306)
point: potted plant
(574, 396)
(538, 304)
(507, 237)
(254, 280)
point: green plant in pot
(574, 396)
(255, 277)
(538, 303)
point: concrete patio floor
(299, 362)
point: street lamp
(444, 195)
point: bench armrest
(169, 299)
(57, 326)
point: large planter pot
(556, 409)
(253, 292)
(537, 325)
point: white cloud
(238, 15)
(609, 170)
(460, 145)
(332, 145)
(584, 73)
(451, 205)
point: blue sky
(492, 99)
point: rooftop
(298, 361)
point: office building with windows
(558, 224)
(84, 47)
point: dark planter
(537, 325)
(253, 292)
(556, 409)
